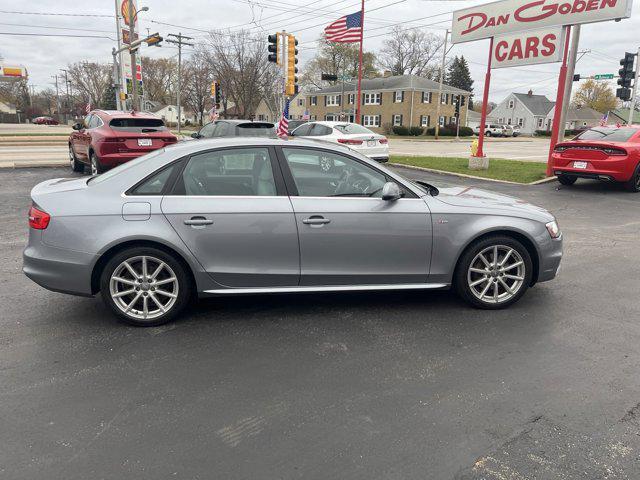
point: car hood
(475, 198)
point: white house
(526, 110)
(473, 119)
(577, 118)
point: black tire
(462, 275)
(76, 165)
(567, 180)
(633, 185)
(94, 163)
(488, 134)
(181, 285)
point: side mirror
(77, 126)
(195, 135)
(391, 192)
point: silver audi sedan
(244, 216)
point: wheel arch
(99, 266)
(517, 235)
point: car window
(232, 172)
(608, 134)
(155, 184)
(95, 121)
(353, 128)
(128, 124)
(302, 130)
(222, 129)
(87, 121)
(321, 173)
(320, 130)
(254, 129)
(207, 130)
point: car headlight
(553, 229)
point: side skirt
(330, 288)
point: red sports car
(44, 121)
(610, 154)
(107, 138)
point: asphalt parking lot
(347, 386)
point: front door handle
(316, 220)
(198, 222)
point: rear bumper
(115, 159)
(58, 270)
(609, 170)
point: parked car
(610, 154)
(356, 137)
(512, 131)
(293, 124)
(44, 121)
(254, 215)
(236, 128)
(108, 138)
(492, 130)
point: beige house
(263, 113)
(406, 100)
(297, 109)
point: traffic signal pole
(634, 99)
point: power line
(56, 35)
(58, 14)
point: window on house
(444, 99)
(521, 122)
(351, 98)
(301, 102)
(425, 120)
(372, 98)
(397, 120)
(442, 120)
(540, 122)
(454, 120)
(371, 120)
(463, 100)
(426, 97)
(509, 121)
(314, 100)
(333, 100)
(512, 104)
(399, 97)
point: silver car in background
(253, 216)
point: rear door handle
(198, 222)
(316, 220)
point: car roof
(124, 113)
(188, 148)
(237, 121)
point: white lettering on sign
(508, 16)
(528, 48)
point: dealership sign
(528, 48)
(509, 16)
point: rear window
(608, 134)
(137, 124)
(256, 130)
(353, 128)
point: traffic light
(154, 40)
(577, 77)
(456, 102)
(216, 93)
(627, 75)
(291, 87)
(274, 52)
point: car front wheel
(96, 166)
(144, 286)
(494, 273)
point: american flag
(87, 109)
(347, 29)
(605, 120)
(283, 125)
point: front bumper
(550, 258)
(57, 269)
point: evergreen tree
(459, 76)
(108, 100)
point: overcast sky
(45, 56)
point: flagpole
(358, 118)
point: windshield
(123, 167)
(608, 134)
(352, 128)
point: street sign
(508, 16)
(604, 76)
(528, 48)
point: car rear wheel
(145, 287)
(96, 166)
(76, 166)
(633, 185)
(567, 180)
(494, 273)
(488, 134)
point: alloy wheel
(94, 165)
(144, 287)
(71, 156)
(496, 274)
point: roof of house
(539, 105)
(473, 116)
(583, 113)
(398, 82)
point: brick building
(406, 100)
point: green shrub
(416, 131)
(402, 131)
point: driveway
(410, 385)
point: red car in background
(107, 138)
(610, 154)
(44, 121)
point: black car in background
(236, 128)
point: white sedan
(355, 136)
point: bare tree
(409, 51)
(90, 80)
(197, 78)
(160, 76)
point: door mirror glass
(391, 192)
(195, 135)
(77, 126)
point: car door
(230, 208)
(348, 234)
(82, 139)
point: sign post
(485, 103)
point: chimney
(530, 93)
(386, 73)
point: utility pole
(568, 86)
(117, 74)
(180, 42)
(634, 98)
(444, 59)
(66, 88)
(132, 51)
(57, 95)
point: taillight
(383, 141)
(614, 151)
(38, 219)
(114, 140)
(348, 141)
(560, 148)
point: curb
(473, 177)
(43, 164)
